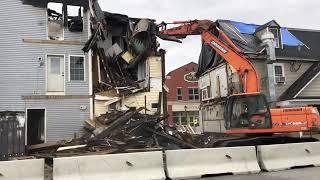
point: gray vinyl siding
(261, 68)
(291, 76)
(63, 117)
(21, 74)
(313, 89)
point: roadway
(312, 173)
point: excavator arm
(225, 48)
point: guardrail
(173, 164)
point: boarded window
(76, 68)
(55, 21)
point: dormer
(270, 27)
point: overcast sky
(288, 13)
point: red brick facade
(176, 79)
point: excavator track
(261, 140)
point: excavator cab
(247, 111)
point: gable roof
(311, 50)
(193, 63)
(243, 35)
(272, 23)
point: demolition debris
(119, 132)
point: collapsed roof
(122, 44)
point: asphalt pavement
(311, 173)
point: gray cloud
(288, 13)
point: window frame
(193, 95)
(278, 34)
(274, 72)
(179, 95)
(84, 68)
(47, 21)
(82, 16)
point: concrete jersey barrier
(285, 156)
(32, 169)
(140, 166)
(194, 163)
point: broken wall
(127, 65)
(155, 93)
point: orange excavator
(247, 112)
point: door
(35, 126)
(55, 76)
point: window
(193, 94)
(60, 16)
(179, 94)
(55, 21)
(279, 73)
(76, 68)
(154, 105)
(193, 120)
(184, 120)
(275, 32)
(204, 94)
(176, 117)
(75, 18)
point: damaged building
(66, 62)
(288, 66)
(127, 65)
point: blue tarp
(287, 38)
(245, 28)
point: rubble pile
(119, 132)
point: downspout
(267, 39)
(164, 93)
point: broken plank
(44, 146)
(171, 138)
(45, 41)
(103, 132)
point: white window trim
(274, 72)
(84, 69)
(26, 125)
(64, 64)
(194, 94)
(279, 36)
(205, 90)
(280, 40)
(63, 38)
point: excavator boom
(227, 50)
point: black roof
(249, 44)
(272, 23)
(311, 38)
(43, 3)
